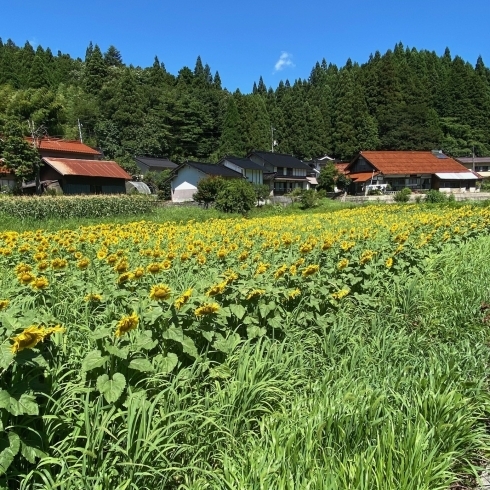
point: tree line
(404, 99)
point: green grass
(392, 396)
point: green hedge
(47, 207)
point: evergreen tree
(38, 74)
(95, 71)
(112, 57)
(231, 142)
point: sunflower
(207, 309)
(126, 323)
(342, 264)
(310, 270)
(183, 299)
(93, 298)
(40, 283)
(255, 293)
(160, 292)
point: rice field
(335, 350)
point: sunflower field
(124, 347)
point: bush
(308, 199)
(236, 196)
(435, 196)
(208, 190)
(403, 195)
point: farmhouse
(417, 170)
(252, 171)
(283, 172)
(75, 176)
(185, 178)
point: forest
(404, 99)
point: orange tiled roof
(67, 146)
(87, 168)
(341, 166)
(411, 162)
(362, 176)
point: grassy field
(292, 351)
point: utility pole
(473, 158)
(80, 130)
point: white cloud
(284, 61)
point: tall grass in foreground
(392, 396)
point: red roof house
(417, 170)
(76, 176)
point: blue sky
(243, 40)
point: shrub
(308, 199)
(435, 196)
(236, 196)
(403, 195)
(208, 190)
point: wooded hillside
(405, 100)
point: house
(477, 164)
(252, 171)
(283, 172)
(185, 178)
(151, 164)
(58, 148)
(76, 176)
(417, 170)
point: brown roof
(362, 176)
(70, 146)
(341, 166)
(3, 169)
(411, 162)
(87, 168)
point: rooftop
(478, 160)
(213, 169)
(243, 163)
(67, 146)
(410, 162)
(87, 168)
(153, 162)
(280, 160)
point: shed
(85, 176)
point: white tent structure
(183, 192)
(140, 187)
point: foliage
(159, 182)
(236, 196)
(308, 199)
(403, 195)
(201, 354)
(402, 99)
(435, 196)
(19, 156)
(49, 207)
(208, 189)
(328, 177)
(262, 192)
